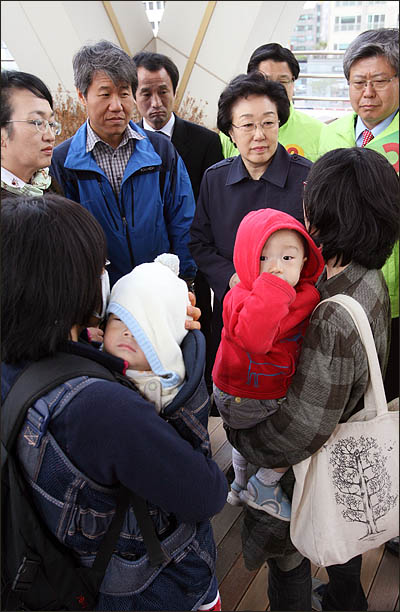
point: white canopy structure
(210, 42)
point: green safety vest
(341, 134)
(300, 134)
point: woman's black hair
(52, 255)
(351, 201)
(244, 85)
(14, 79)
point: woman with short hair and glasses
(250, 110)
(300, 134)
(28, 131)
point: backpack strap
(94, 575)
(156, 553)
(36, 380)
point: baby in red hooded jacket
(265, 316)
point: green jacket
(341, 134)
(300, 134)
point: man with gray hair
(132, 181)
(371, 67)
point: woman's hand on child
(194, 312)
(95, 334)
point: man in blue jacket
(132, 181)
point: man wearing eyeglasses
(371, 67)
(301, 133)
(28, 131)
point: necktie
(367, 137)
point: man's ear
(81, 98)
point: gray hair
(372, 43)
(103, 56)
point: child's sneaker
(234, 494)
(215, 605)
(269, 499)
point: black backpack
(37, 571)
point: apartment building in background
(333, 24)
(327, 28)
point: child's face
(283, 255)
(118, 341)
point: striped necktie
(367, 137)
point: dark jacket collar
(276, 172)
(84, 349)
(10, 372)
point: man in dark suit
(198, 146)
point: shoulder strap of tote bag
(374, 398)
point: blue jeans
(291, 590)
(344, 590)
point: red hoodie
(264, 317)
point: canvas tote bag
(346, 496)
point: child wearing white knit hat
(145, 328)
(146, 325)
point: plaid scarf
(39, 183)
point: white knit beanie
(151, 301)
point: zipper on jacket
(133, 205)
(128, 238)
(100, 184)
(123, 217)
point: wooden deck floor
(244, 590)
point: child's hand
(95, 334)
(234, 280)
(194, 312)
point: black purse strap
(155, 551)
